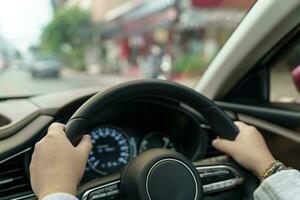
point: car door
(268, 97)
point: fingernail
(214, 142)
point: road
(15, 82)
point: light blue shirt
(284, 185)
(59, 196)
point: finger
(56, 128)
(226, 146)
(85, 146)
(31, 167)
(240, 125)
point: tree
(67, 35)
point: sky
(21, 21)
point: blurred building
(155, 38)
(129, 29)
(8, 54)
(164, 37)
(83, 4)
(105, 10)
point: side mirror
(296, 77)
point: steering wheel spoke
(216, 178)
(107, 188)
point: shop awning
(237, 4)
(201, 18)
(141, 18)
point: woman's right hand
(248, 149)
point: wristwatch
(275, 167)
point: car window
(285, 77)
(102, 43)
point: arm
(282, 185)
(57, 166)
(250, 150)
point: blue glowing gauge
(111, 150)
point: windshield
(49, 46)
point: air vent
(13, 180)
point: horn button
(160, 175)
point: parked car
(46, 66)
(3, 62)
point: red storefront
(144, 28)
(155, 28)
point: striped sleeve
(284, 185)
(59, 196)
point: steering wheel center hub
(171, 179)
(160, 175)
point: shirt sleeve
(59, 196)
(284, 185)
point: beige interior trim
(273, 128)
(18, 113)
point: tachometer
(156, 140)
(111, 150)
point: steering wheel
(159, 174)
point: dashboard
(119, 134)
(113, 147)
(130, 128)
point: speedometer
(156, 140)
(111, 150)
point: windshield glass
(49, 46)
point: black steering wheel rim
(132, 177)
(220, 123)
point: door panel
(284, 141)
(285, 118)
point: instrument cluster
(118, 138)
(113, 147)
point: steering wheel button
(100, 191)
(111, 188)
(220, 173)
(207, 188)
(204, 175)
(230, 183)
(208, 180)
(112, 197)
(101, 196)
(114, 192)
(218, 186)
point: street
(14, 82)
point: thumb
(226, 146)
(85, 146)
